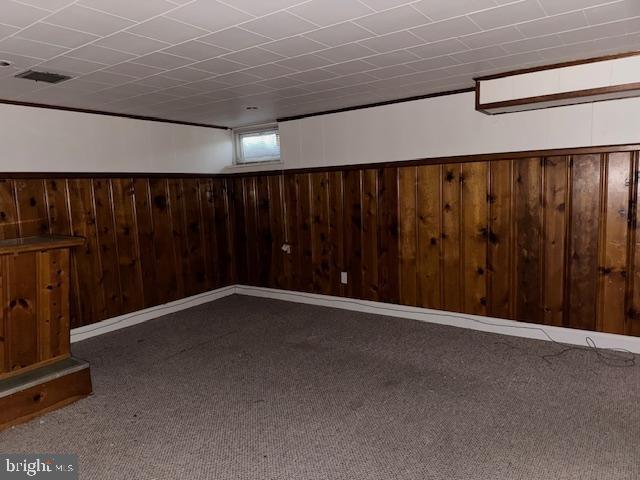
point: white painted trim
(140, 316)
(473, 322)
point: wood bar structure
(37, 372)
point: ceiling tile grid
(205, 61)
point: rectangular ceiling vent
(46, 77)
(570, 83)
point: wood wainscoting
(543, 237)
(148, 240)
(546, 239)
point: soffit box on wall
(593, 80)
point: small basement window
(257, 144)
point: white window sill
(254, 167)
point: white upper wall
(45, 140)
(449, 126)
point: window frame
(255, 130)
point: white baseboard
(133, 318)
(473, 322)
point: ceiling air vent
(46, 77)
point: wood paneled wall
(149, 240)
(545, 239)
(548, 240)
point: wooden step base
(42, 390)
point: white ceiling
(205, 61)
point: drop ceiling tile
(79, 86)
(305, 62)
(29, 48)
(346, 52)
(251, 89)
(392, 41)
(290, 92)
(294, 46)
(209, 14)
(218, 66)
(71, 65)
(282, 82)
(261, 7)
(128, 42)
(269, 71)
(479, 54)
(95, 53)
(234, 39)
(438, 49)
(492, 37)
(138, 10)
(159, 81)
(134, 69)
(181, 91)
(107, 78)
(167, 30)
(187, 74)
(253, 57)
(315, 75)
(455, 27)
(392, 20)
(613, 12)
(237, 78)
(51, 5)
(441, 10)
(508, 14)
(208, 84)
(347, 68)
(64, 37)
(335, 35)
(531, 44)
(20, 15)
(516, 60)
(163, 60)
(6, 30)
(392, 71)
(328, 12)
(196, 50)
(392, 58)
(553, 7)
(592, 33)
(555, 24)
(354, 79)
(279, 25)
(88, 20)
(433, 63)
(384, 4)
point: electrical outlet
(343, 278)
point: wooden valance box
(37, 373)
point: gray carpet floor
(247, 388)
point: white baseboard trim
(139, 316)
(474, 322)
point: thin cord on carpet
(627, 359)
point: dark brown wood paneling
(388, 260)
(336, 232)
(583, 241)
(554, 246)
(430, 238)
(451, 267)
(613, 256)
(407, 204)
(31, 207)
(370, 279)
(528, 234)
(353, 232)
(500, 240)
(475, 232)
(320, 243)
(145, 240)
(108, 248)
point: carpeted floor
(247, 388)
